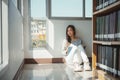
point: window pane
(67, 8)
(88, 8)
(38, 8)
(38, 23)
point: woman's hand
(67, 44)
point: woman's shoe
(77, 67)
(87, 66)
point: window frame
(1, 32)
(30, 39)
(4, 35)
(49, 13)
(19, 6)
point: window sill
(70, 18)
(3, 68)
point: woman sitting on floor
(74, 51)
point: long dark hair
(74, 31)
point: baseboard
(47, 60)
(43, 60)
(19, 71)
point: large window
(38, 23)
(70, 8)
(55, 9)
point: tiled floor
(53, 72)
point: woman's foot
(77, 67)
(87, 66)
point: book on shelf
(96, 28)
(117, 35)
(104, 3)
(100, 4)
(115, 60)
(112, 27)
(108, 59)
(97, 4)
(106, 55)
(119, 63)
(99, 54)
(102, 28)
(108, 27)
(112, 1)
(103, 54)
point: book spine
(119, 62)
(115, 61)
(100, 4)
(118, 26)
(103, 3)
(97, 4)
(107, 27)
(97, 25)
(99, 57)
(112, 1)
(106, 3)
(103, 55)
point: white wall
(56, 32)
(16, 54)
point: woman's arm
(65, 45)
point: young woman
(74, 51)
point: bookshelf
(106, 35)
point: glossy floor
(53, 72)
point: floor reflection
(53, 72)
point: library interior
(59, 39)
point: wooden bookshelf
(102, 75)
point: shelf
(113, 7)
(107, 42)
(103, 74)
